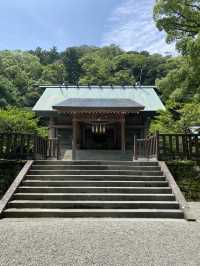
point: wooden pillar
(123, 141)
(74, 137)
(78, 135)
(115, 136)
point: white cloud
(131, 26)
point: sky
(27, 24)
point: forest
(21, 71)
(177, 77)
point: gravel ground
(99, 242)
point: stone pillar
(51, 129)
(74, 137)
(123, 141)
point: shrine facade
(98, 117)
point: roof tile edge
(98, 86)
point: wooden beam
(62, 126)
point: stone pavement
(100, 242)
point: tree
(20, 120)
(22, 71)
(181, 22)
(177, 118)
(53, 74)
(179, 19)
(46, 56)
(72, 66)
(8, 92)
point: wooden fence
(53, 148)
(159, 146)
(146, 148)
(179, 146)
(27, 146)
(168, 147)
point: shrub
(13, 119)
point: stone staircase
(94, 189)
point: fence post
(157, 145)
(135, 148)
(34, 146)
(58, 148)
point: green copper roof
(143, 95)
(98, 103)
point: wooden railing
(168, 147)
(179, 146)
(146, 148)
(14, 145)
(27, 146)
(40, 147)
(53, 148)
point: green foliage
(171, 121)
(165, 123)
(181, 22)
(179, 19)
(20, 72)
(8, 172)
(46, 56)
(18, 120)
(110, 65)
(72, 66)
(187, 176)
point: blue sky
(27, 24)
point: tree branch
(176, 12)
(193, 6)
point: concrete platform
(118, 155)
(107, 242)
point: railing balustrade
(27, 146)
(168, 147)
(53, 148)
(146, 148)
(179, 146)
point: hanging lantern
(93, 129)
(100, 129)
(104, 129)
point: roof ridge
(98, 86)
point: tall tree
(180, 19)
(72, 65)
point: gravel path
(99, 242)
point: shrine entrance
(98, 124)
(98, 131)
(100, 136)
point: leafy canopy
(178, 121)
(13, 119)
(180, 19)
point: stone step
(93, 204)
(93, 196)
(59, 162)
(132, 190)
(94, 189)
(95, 172)
(95, 167)
(77, 183)
(95, 177)
(112, 213)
